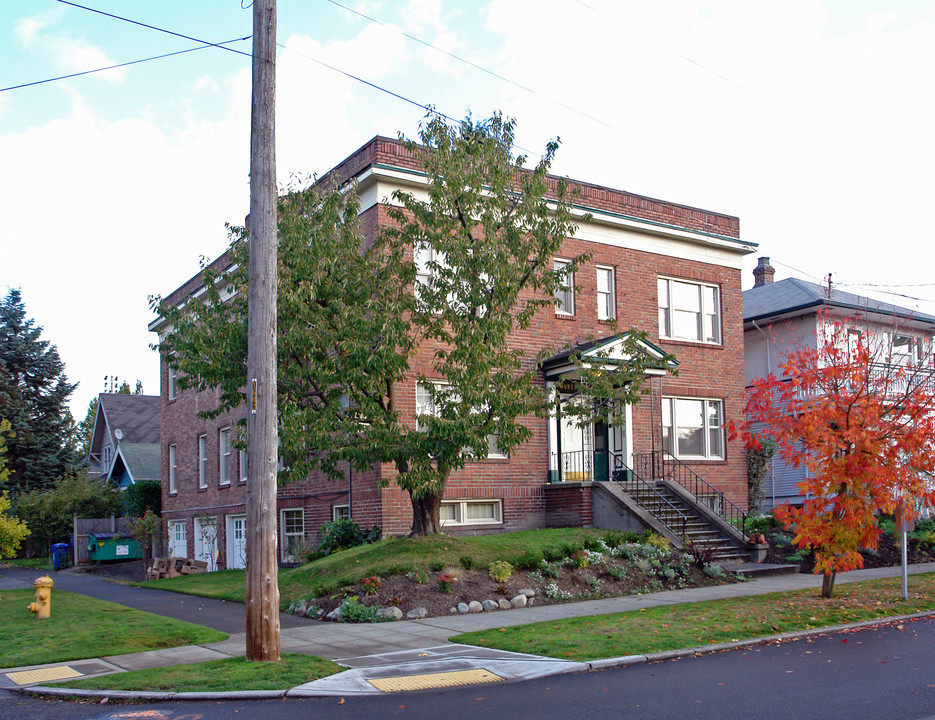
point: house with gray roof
(125, 439)
(780, 316)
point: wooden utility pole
(262, 588)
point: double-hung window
(173, 464)
(292, 526)
(202, 461)
(242, 462)
(224, 452)
(689, 311)
(565, 293)
(606, 306)
(693, 428)
(171, 384)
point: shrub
(551, 570)
(436, 566)
(580, 559)
(445, 582)
(395, 601)
(713, 570)
(657, 541)
(613, 538)
(702, 555)
(343, 534)
(529, 560)
(553, 554)
(467, 562)
(569, 549)
(353, 612)
(617, 572)
(370, 585)
(143, 496)
(500, 571)
(761, 524)
(592, 544)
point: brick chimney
(763, 273)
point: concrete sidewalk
(374, 652)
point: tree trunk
(425, 514)
(827, 584)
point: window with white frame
(173, 466)
(903, 350)
(224, 455)
(606, 305)
(340, 512)
(565, 293)
(693, 427)
(471, 512)
(171, 384)
(689, 311)
(292, 527)
(242, 462)
(428, 405)
(202, 461)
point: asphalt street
(883, 673)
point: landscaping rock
(490, 605)
(475, 607)
(519, 601)
(334, 614)
(505, 604)
(390, 612)
(528, 592)
(463, 608)
(298, 610)
(417, 613)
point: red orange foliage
(862, 421)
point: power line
(120, 65)
(460, 59)
(153, 27)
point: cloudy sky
(811, 120)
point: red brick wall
(569, 505)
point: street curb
(590, 666)
(625, 660)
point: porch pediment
(607, 352)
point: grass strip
(84, 627)
(388, 557)
(227, 675)
(676, 627)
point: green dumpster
(113, 546)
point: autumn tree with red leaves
(858, 410)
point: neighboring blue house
(779, 316)
(125, 440)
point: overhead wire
(220, 46)
(124, 64)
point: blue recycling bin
(60, 553)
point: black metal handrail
(661, 464)
(630, 478)
(573, 465)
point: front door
(178, 539)
(236, 541)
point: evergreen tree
(33, 398)
(84, 430)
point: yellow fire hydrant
(43, 605)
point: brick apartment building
(670, 270)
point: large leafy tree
(860, 415)
(34, 394)
(344, 336)
(487, 236)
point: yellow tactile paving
(434, 680)
(26, 677)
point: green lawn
(228, 675)
(387, 557)
(84, 627)
(691, 625)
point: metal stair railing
(628, 478)
(661, 464)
